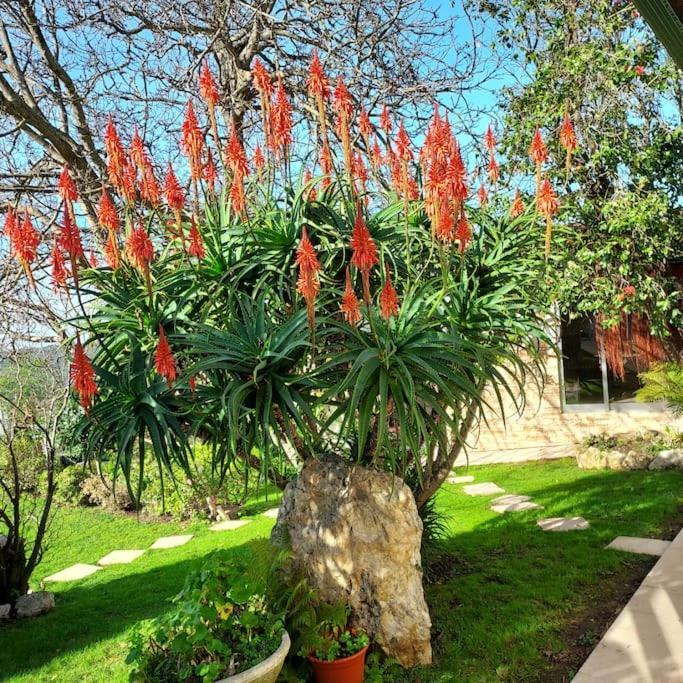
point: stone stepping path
(271, 513)
(170, 542)
(563, 524)
(486, 488)
(516, 507)
(465, 479)
(73, 573)
(643, 645)
(646, 546)
(228, 524)
(120, 557)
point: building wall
(543, 430)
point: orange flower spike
(343, 104)
(237, 195)
(111, 252)
(59, 271)
(364, 126)
(25, 242)
(82, 377)
(306, 257)
(483, 196)
(350, 305)
(490, 140)
(137, 149)
(539, 155)
(548, 205)
(150, 190)
(140, 253)
(92, 259)
(192, 141)
(164, 362)
(175, 197)
(463, 232)
(196, 247)
(318, 89)
(493, 170)
(235, 154)
(107, 216)
(364, 251)
(281, 122)
(403, 147)
(385, 122)
(210, 172)
(259, 160)
(11, 223)
(445, 230)
(66, 186)
(116, 157)
(388, 299)
(308, 283)
(568, 140)
(517, 208)
(326, 165)
(70, 240)
(261, 78)
(312, 194)
(208, 90)
(377, 158)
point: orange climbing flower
(196, 243)
(66, 186)
(175, 195)
(106, 213)
(517, 208)
(83, 377)
(235, 154)
(388, 299)
(164, 362)
(350, 305)
(139, 248)
(208, 89)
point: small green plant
(222, 624)
(338, 644)
(663, 382)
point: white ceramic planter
(266, 671)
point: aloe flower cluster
(349, 149)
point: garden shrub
(221, 624)
(663, 382)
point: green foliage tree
(622, 212)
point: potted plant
(342, 657)
(222, 629)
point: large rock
(356, 532)
(593, 458)
(33, 604)
(5, 611)
(668, 459)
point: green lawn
(508, 592)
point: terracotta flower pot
(347, 670)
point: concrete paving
(645, 546)
(120, 557)
(464, 479)
(516, 507)
(486, 488)
(563, 524)
(271, 513)
(74, 573)
(645, 642)
(170, 542)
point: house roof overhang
(666, 19)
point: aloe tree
(378, 314)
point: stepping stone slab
(271, 513)
(486, 488)
(170, 542)
(563, 524)
(646, 546)
(120, 557)
(516, 507)
(510, 499)
(75, 572)
(228, 524)
(466, 479)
